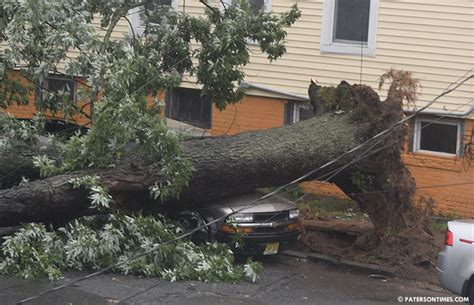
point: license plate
(271, 248)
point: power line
(387, 145)
(206, 225)
(336, 171)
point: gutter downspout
(248, 85)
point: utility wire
(387, 145)
(369, 152)
(206, 225)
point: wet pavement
(284, 280)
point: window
(297, 111)
(135, 15)
(150, 7)
(255, 5)
(187, 105)
(259, 5)
(439, 137)
(58, 86)
(349, 26)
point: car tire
(471, 294)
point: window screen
(57, 85)
(289, 112)
(187, 105)
(439, 137)
(306, 112)
(351, 20)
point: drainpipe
(248, 85)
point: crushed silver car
(456, 260)
(264, 228)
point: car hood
(264, 208)
(242, 204)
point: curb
(315, 257)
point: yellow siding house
(357, 41)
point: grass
(440, 223)
(313, 206)
(436, 226)
(326, 206)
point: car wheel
(471, 294)
(192, 220)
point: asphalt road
(284, 281)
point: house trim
(73, 90)
(135, 19)
(261, 90)
(327, 32)
(417, 136)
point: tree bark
(228, 166)
(17, 162)
(223, 166)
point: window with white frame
(296, 111)
(437, 137)
(260, 5)
(256, 6)
(349, 26)
(135, 15)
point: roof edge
(283, 94)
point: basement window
(349, 27)
(437, 137)
(58, 86)
(188, 106)
(297, 111)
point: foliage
(12, 130)
(121, 77)
(101, 241)
(98, 193)
(437, 225)
(224, 50)
(45, 165)
(402, 83)
(34, 251)
(364, 182)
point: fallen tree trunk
(17, 163)
(223, 166)
(227, 166)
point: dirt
(353, 239)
